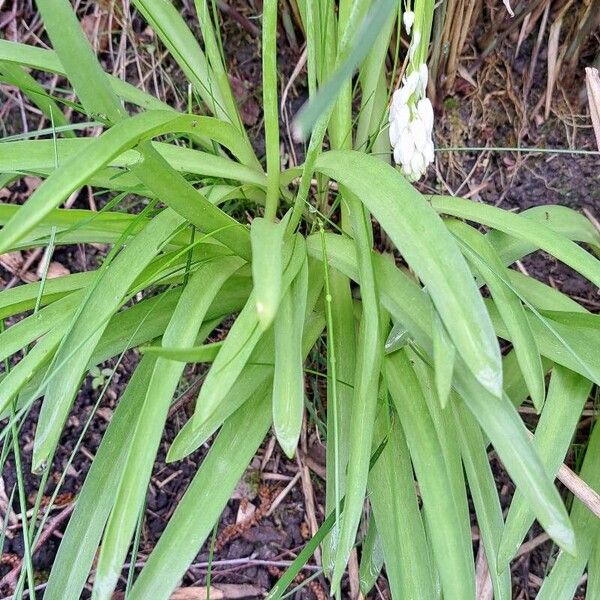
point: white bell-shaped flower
(408, 18)
(425, 111)
(411, 125)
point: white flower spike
(411, 125)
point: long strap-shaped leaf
(396, 510)
(561, 219)
(443, 516)
(486, 261)
(256, 374)
(204, 499)
(41, 156)
(288, 378)
(91, 320)
(527, 229)
(566, 573)
(48, 61)
(429, 249)
(191, 309)
(567, 395)
(482, 487)
(407, 304)
(126, 134)
(15, 75)
(79, 61)
(80, 541)
(241, 340)
(366, 385)
(172, 30)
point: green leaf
(41, 156)
(240, 342)
(102, 301)
(256, 375)
(23, 297)
(396, 510)
(172, 30)
(575, 348)
(443, 360)
(452, 553)
(76, 172)
(16, 76)
(205, 498)
(566, 573)
(567, 395)
(78, 547)
(341, 360)
(77, 57)
(191, 309)
(487, 262)
(369, 354)
(482, 487)
(33, 362)
(358, 48)
(54, 317)
(47, 60)
(270, 105)
(540, 295)
(431, 252)
(288, 378)
(562, 220)
(197, 354)
(407, 304)
(523, 228)
(371, 558)
(267, 267)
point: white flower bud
(425, 111)
(409, 18)
(417, 165)
(409, 86)
(418, 133)
(394, 132)
(405, 148)
(414, 44)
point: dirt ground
(279, 503)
